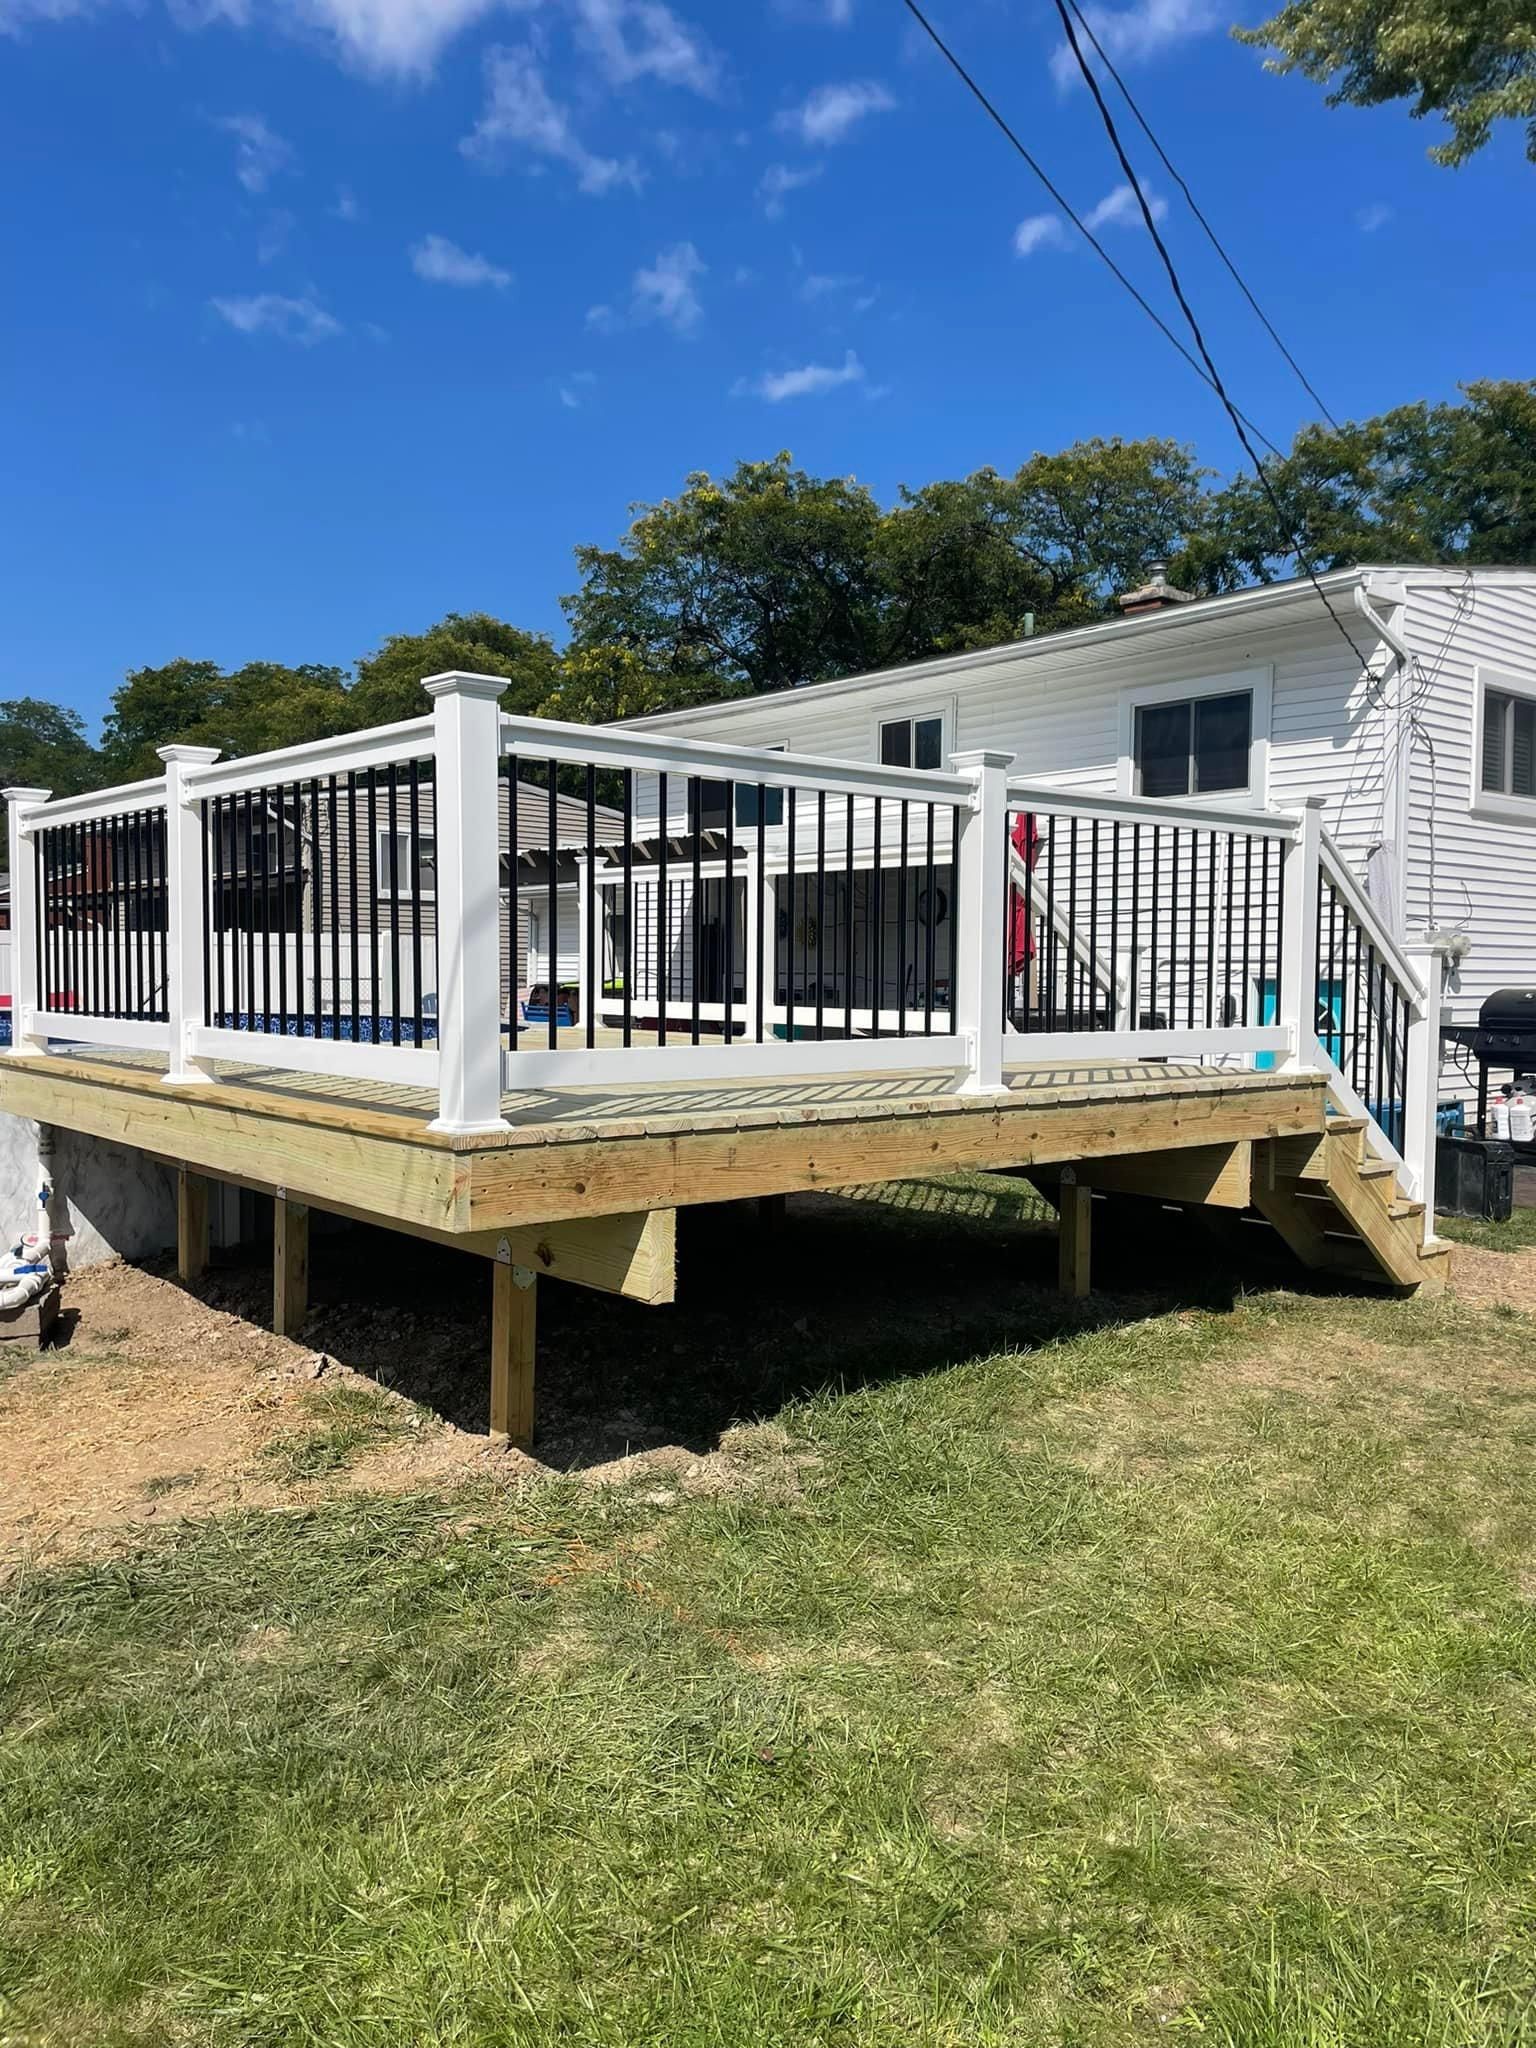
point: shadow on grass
(848, 1290)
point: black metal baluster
(848, 924)
(760, 884)
(330, 810)
(1093, 924)
(210, 937)
(413, 805)
(1228, 1007)
(1194, 909)
(1247, 921)
(878, 876)
(696, 909)
(392, 828)
(789, 939)
(1134, 981)
(1210, 932)
(1033, 962)
(353, 922)
(553, 897)
(629, 902)
(114, 906)
(375, 884)
(821, 912)
(901, 926)
(929, 922)
(513, 924)
(1072, 961)
(593, 980)
(727, 1023)
(663, 918)
(1112, 1018)
(1048, 926)
(281, 801)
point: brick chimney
(1155, 595)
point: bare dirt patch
(1495, 1279)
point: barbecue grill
(1503, 1036)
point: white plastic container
(1498, 1115)
(1522, 1126)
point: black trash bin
(1475, 1177)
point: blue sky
(325, 317)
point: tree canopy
(262, 705)
(388, 685)
(43, 746)
(1471, 61)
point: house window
(772, 805)
(394, 874)
(1509, 744)
(1195, 746)
(912, 742)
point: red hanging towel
(1025, 841)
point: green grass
(1517, 1234)
(352, 1420)
(1174, 1679)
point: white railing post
(981, 890)
(1421, 1134)
(185, 860)
(1296, 1008)
(468, 753)
(26, 919)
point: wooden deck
(588, 1152)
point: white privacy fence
(476, 903)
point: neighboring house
(1421, 745)
(364, 918)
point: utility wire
(1213, 375)
(1204, 374)
(1212, 237)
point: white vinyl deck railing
(477, 904)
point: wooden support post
(191, 1225)
(290, 1265)
(1076, 1238)
(514, 1324)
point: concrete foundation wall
(114, 1202)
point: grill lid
(1510, 1010)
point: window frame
(1256, 683)
(1492, 803)
(943, 712)
(381, 888)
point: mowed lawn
(1169, 1675)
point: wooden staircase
(1341, 1210)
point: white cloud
(602, 319)
(260, 154)
(825, 284)
(812, 381)
(345, 206)
(573, 390)
(300, 320)
(520, 109)
(1117, 209)
(440, 261)
(1039, 231)
(778, 181)
(15, 14)
(634, 39)
(1370, 218)
(832, 13)
(1122, 209)
(1132, 35)
(666, 290)
(832, 112)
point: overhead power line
(1211, 235)
(1239, 424)
(1081, 225)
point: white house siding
(1483, 873)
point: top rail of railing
(1052, 799)
(125, 797)
(378, 746)
(609, 747)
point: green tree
(388, 685)
(43, 746)
(1422, 483)
(763, 579)
(772, 577)
(261, 705)
(600, 685)
(1472, 61)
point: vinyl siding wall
(1474, 871)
